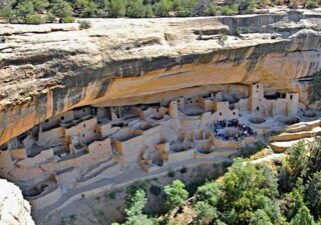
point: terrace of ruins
(88, 144)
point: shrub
(183, 170)
(7, 13)
(248, 6)
(204, 8)
(184, 8)
(51, 18)
(171, 173)
(62, 10)
(67, 19)
(260, 218)
(137, 9)
(230, 10)
(117, 8)
(34, 19)
(303, 217)
(238, 32)
(84, 25)
(112, 195)
(176, 194)
(310, 4)
(155, 190)
(205, 213)
(135, 210)
(163, 8)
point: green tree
(40, 5)
(8, 13)
(34, 19)
(117, 8)
(248, 6)
(247, 188)
(208, 192)
(314, 153)
(163, 8)
(204, 8)
(86, 8)
(260, 218)
(303, 217)
(137, 9)
(184, 8)
(205, 213)
(296, 161)
(62, 10)
(135, 211)
(229, 10)
(23, 9)
(176, 194)
(219, 222)
(292, 202)
(313, 194)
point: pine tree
(303, 217)
(176, 194)
(260, 218)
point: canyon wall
(48, 69)
(14, 210)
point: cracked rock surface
(14, 210)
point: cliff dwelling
(89, 111)
(88, 144)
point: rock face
(49, 69)
(14, 210)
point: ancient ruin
(87, 144)
(82, 108)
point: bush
(34, 19)
(310, 4)
(67, 19)
(155, 190)
(230, 10)
(62, 10)
(84, 25)
(163, 8)
(176, 194)
(112, 195)
(204, 8)
(51, 18)
(184, 8)
(248, 6)
(137, 9)
(183, 170)
(117, 8)
(171, 173)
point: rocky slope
(48, 69)
(14, 210)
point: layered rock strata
(48, 69)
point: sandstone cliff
(48, 69)
(14, 210)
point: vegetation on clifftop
(46, 11)
(286, 193)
